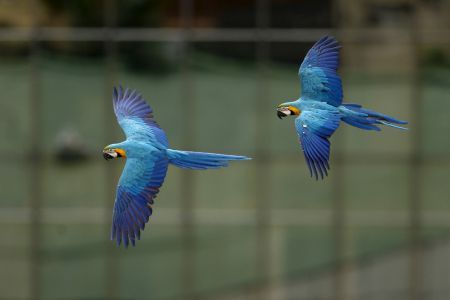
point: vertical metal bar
(342, 284)
(339, 205)
(339, 232)
(416, 255)
(188, 178)
(111, 261)
(36, 161)
(262, 168)
(339, 220)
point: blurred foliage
(133, 13)
(79, 13)
(142, 57)
(14, 48)
(437, 57)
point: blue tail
(356, 115)
(200, 160)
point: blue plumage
(320, 108)
(314, 127)
(135, 117)
(148, 157)
(317, 72)
(200, 160)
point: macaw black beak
(284, 111)
(113, 153)
(110, 154)
(281, 114)
(107, 156)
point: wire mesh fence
(377, 228)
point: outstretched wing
(135, 117)
(318, 73)
(314, 128)
(137, 188)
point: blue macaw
(320, 108)
(148, 156)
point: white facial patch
(111, 153)
(285, 110)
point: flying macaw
(147, 158)
(320, 108)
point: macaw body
(320, 109)
(148, 156)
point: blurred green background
(377, 228)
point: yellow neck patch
(294, 109)
(121, 152)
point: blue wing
(318, 73)
(137, 188)
(135, 117)
(314, 128)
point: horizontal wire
(360, 35)
(230, 217)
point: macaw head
(114, 151)
(287, 109)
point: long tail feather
(356, 115)
(393, 125)
(201, 160)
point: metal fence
(269, 284)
